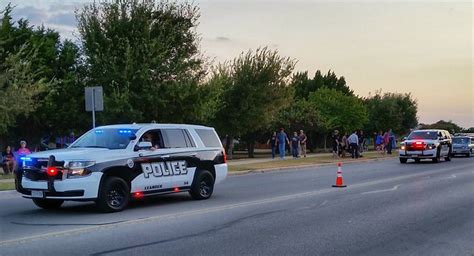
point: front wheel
(48, 203)
(202, 186)
(403, 160)
(114, 195)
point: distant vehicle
(426, 144)
(463, 145)
(113, 164)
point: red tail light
(176, 189)
(52, 171)
(224, 155)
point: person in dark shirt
(295, 145)
(273, 143)
(303, 139)
(9, 163)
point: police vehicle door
(182, 156)
(156, 176)
(443, 139)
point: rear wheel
(114, 195)
(403, 160)
(202, 186)
(48, 203)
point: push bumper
(84, 188)
(420, 154)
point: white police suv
(426, 144)
(113, 164)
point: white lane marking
(324, 203)
(380, 191)
(216, 209)
(453, 176)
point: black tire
(437, 158)
(203, 186)
(403, 160)
(417, 160)
(114, 195)
(468, 154)
(48, 203)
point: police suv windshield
(423, 135)
(111, 138)
(461, 140)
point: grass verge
(7, 185)
(6, 177)
(290, 162)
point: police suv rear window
(209, 138)
(176, 138)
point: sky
(421, 47)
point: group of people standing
(353, 143)
(11, 158)
(385, 142)
(297, 143)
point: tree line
(146, 56)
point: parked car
(463, 145)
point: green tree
(304, 85)
(338, 110)
(18, 89)
(391, 110)
(145, 54)
(253, 89)
(443, 125)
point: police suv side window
(176, 138)
(209, 138)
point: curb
(238, 173)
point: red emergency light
(52, 171)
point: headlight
(431, 146)
(77, 169)
(402, 147)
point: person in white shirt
(353, 141)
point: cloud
(222, 38)
(65, 19)
(34, 15)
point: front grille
(39, 175)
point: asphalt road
(387, 209)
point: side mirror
(143, 145)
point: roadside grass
(290, 162)
(6, 177)
(7, 186)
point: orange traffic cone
(339, 182)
